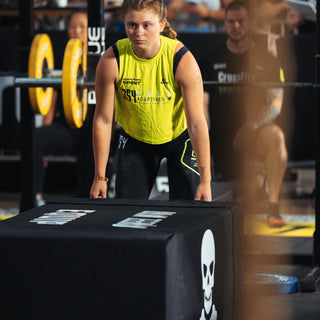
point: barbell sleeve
(38, 82)
(53, 73)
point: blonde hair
(157, 5)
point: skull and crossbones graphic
(207, 269)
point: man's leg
(270, 146)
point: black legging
(138, 164)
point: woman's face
(78, 27)
(143, 29)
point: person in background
(246, 143)
(297, 24)
(270, 15)
(152, 86)
(277, 18)
(55, 137)
(198, 14)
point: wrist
(205, 179)
(100, 178)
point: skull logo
(207, 269)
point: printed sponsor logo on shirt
(217, 66)
(228, 78)
(131, 81)
(225, 77)
(136, 96)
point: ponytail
(170, 33)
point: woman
(158, 102)
(55, 137)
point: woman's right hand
(98, 190)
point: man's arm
(188, 76)
(204, 12)
(106, 78)
(267, 10)
(268, 114)
(271, 109)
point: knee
(277, 142)
(277, 138)
(271, 140)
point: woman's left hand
(204, 192)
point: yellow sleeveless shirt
(149, 105)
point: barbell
(42, 78)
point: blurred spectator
(267, 13)
(271, 14)
(275, 18)
(297, 24)
(269, 10)
(113, 18)
(246, 143)
(55, 137)
(293, 20)
(197, 15)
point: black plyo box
(112, 259)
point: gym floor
(286, 251)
